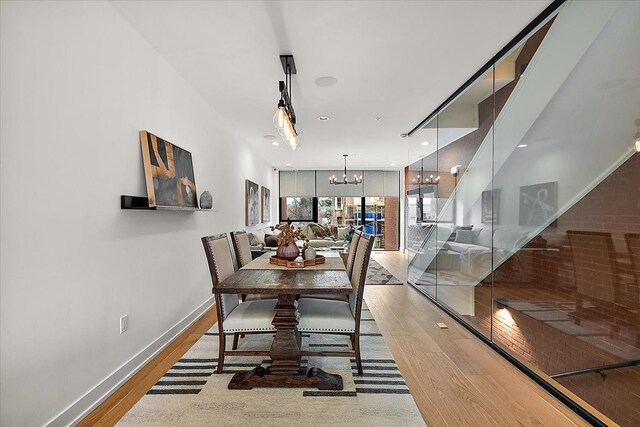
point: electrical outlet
(124, 323)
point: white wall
(77, 84)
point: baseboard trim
(98, 394)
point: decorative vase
(206, 201)
(309, 253)
(288, 252)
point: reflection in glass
(531, 234)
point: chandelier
(356, 179)
(285, 118)
(430, 180)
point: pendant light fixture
(285, 118)
(356, 180)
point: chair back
(594, 279)
(221, 266)
(359, 273)
(633, 245)
(352, 252)
(241, 247)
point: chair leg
(357, 349)
(221, 345)
(235, 341)
(352, 337)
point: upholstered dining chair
(349, 267)
(633, 246)
(250, 317)
(242, 250)
(354, 244)
(606, 290)
(318, 316)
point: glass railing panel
(565, 209)
(422, 245)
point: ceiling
(394, 61)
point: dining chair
(354, 244)
(234, 317)
(600, 283)
(633, 246)
(349, 267)
(242, 250)
(318, 316)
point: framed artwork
(538, 203)
(168, 172)
(266, 204)
(252, 204)
(490, 206)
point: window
(326, 210)
(296, 209)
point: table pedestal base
(262, 377)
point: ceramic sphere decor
(206, 201)
(289, 251)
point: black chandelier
(356, 179)
(285, 118)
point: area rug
(190, 394)
(378, 275)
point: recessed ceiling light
(522, 145)
(288, 164)
(425, 142)
(326, 81)
(379, 118)
(275, 143)
(323, 118)
(269, 137)
(392, 164)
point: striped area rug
(190, 394)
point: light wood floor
(455, 379)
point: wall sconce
(502, 303)
(455, 170)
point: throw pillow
(253, 240)
(270, 240)
(341, 232)
(318, 231)
(484, 237)
(464, 236)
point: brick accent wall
(607, 333)
(391, 223)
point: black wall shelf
(142, 203)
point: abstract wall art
(266, 204)
(252, 203)
(538, 203)
(168, 171)
(490, 206)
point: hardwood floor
(455, 379)
(119, 403)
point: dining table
(262, 277)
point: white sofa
(257, 237)
(474, 247)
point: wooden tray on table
(319, 259)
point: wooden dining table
(261, 277)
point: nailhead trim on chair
(248, 329)
(325, 330)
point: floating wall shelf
(142, 203)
